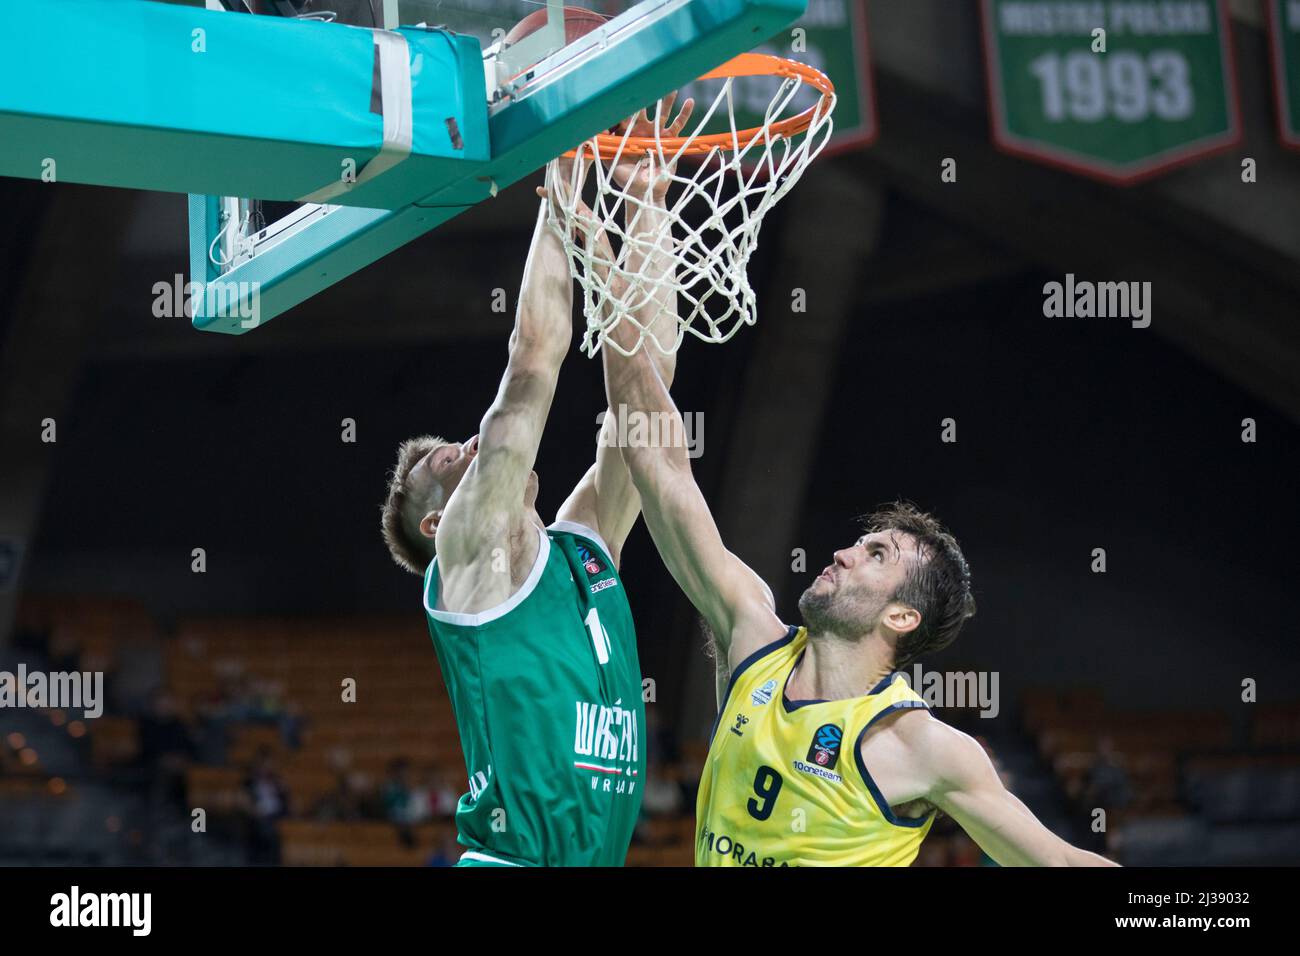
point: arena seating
(332, 700)
(1200, 792)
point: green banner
(831, 36)
(1284, 20)
(1117, 89)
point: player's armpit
(486, 517)
(964, 784)
(489, 501)
(605, 500)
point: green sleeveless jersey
(546, 689)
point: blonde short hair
(410, 549)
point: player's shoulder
(471, 590)
(914, 726)
(595, 552)
(929, 743)
(473, 529)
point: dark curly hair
(938, 586)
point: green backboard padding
(178, 99)
(168, 97)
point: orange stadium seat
(215, 789)
(114, 741)
(308, 843)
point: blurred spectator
(167, 748)
(217, 711)
(401, 803)
(662, 795)
(345, 802)
(264, 701)
(443, 795)
(1108, 782)
(447, 852)
(433, 798)
(397, 792)
(663, 798)
(291, 725)
(689, 770)
(419, 808)
(267, 800)
(163, 734)
(661, 742)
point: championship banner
(1115, 89)
(1284, 31)
(831, 36)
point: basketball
(578, 22)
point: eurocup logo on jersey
(825, 749)
(590, 563)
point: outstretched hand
(636, 168)
(582, 225)
(560, 175)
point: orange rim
(747, 64)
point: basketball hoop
(719, 187)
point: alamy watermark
(976, 690)
(1082, 299)
(63, 690)
(632, 428)
(220, 299)
(75, 908)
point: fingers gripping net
(663, 247)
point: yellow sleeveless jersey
(784, 783)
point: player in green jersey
(530, 621)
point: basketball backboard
(315, 136)
(542, 93)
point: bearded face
(846, 611)
(850, 595)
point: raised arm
(737, 606)
(489, 504)
(964, 784)
(606, 499)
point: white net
(656, 225)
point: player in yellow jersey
(822, 754)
